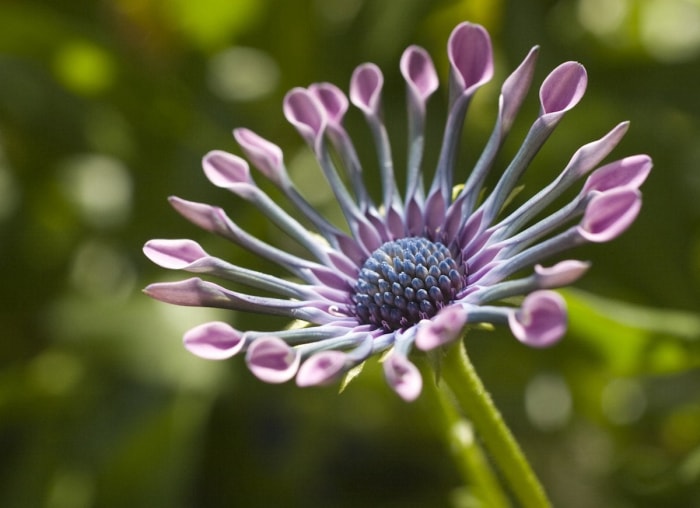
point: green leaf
(633, 339)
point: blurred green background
(106, 108)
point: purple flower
(415, 268)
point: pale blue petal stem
(513, 92)
(215, 220)
(361, 229)
(403, 342)
(416, 144)
(585, 159)
(344, 146)
(517, 243)
(442, 181)
(476, 178)
(507, 289)
(528, 257)
(538, 134)
(251, 278)
(381, 140)
(311, 334)
(347, 205)
(346, 341)
(289, 225)
(195, 292)
(328, 230)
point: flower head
(417, 267)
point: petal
(563, 88)
(610, 213)
(333, 101)
(590, 154)
(226, 170)
(205, 216)
(403, 377)
(264, 155)
(516, 86)
(541, 320)
(366, 88)
(434, 212)
(628, 172)
(173, 254)
(471, 57)
(443, 328)
(271, 360)
(304, 112)
(415, 220)
(322, 368)
(419, 72)
(213, 341)
(193, 292)
(368, 235)
(561, 274)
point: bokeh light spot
(242, 74)
(84, 68)
(670, 29)
(99, 270)
(71, 487)
(602, 17)
(100, 187)
(548, 402)
(209, 23)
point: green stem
(465, 384)
(459, 437)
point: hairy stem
(466, 386)
(459, 436)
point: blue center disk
(405, 281)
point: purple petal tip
(192, 292)
(541, 321)
(609, 214)
(225, 170)
(272, 360)
(333, 101)
(304, 112)
(442, 329)
(173, 254)
(322, 368)
(630, 172)
(366, 88)
(562, 273)
(403, 377)
(264, 155)
(471, 56)
(516, 86)
(563, 88)
(213, 341)
(419, 72)
(207, 217)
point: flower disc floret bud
(406, 280)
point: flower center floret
(406, 280)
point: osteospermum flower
(413, 270)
